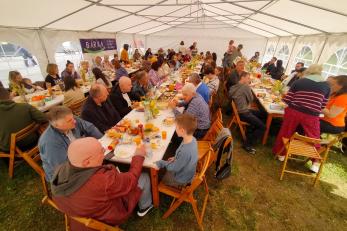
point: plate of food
(169, 121)
(114, 134)
(122, 152)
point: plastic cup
(163, 135)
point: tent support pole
(278, 41)
(43, 44)
(267, 42)
(323, 47)
(291, 54)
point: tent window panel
(305, 55)
(68, 51)
(336, 64)
(283, 54)
(17, 58)
(270, 51)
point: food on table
(113, 144)
(149, 126)
(113, 133)
(169, 121)
(261, 95)
(137, 140)
(122, 153)
(163, 135)
(125, 123)
(162, 105)
(38, 98)
(133, 131)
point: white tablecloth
(130, 148)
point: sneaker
(281, 158)
(315, 167)
(249, 149)
(143, 212)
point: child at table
(180, 169)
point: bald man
(120, 96)
(99, 110)
(84, 187)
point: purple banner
(97, 45)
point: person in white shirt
(182, 48)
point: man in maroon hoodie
(84, 187)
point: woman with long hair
(101, 78)
(72, 92)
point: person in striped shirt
(305, 99)
(211, 79)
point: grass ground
(253, 198)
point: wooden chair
(186, 194)
(235, 119)
(211, 102)
(302, 146)
(76, 107)
(212, 133)
(88, 222)
(15, 151)
(217, 115)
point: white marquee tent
(292, 30)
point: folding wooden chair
(88, 222)
(76, 107)
(212, 133)
(302, 146)
(235, 119)
(186, 194)
(15, 151)
(217, 115)
(211, 103)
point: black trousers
(257, 127)
(326, 127)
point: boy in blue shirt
(180, 169)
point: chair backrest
(212, 133)
(217, 115)
(88, 222)
(33, 161)
(201, 169)
(306, 139)
(235, 112)
(76, 107)
(20, 135)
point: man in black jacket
(99, 110)
(269, 65)
(120, 96)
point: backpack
(224, 171)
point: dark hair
(214, 56)
(70, 83)
(182, 43)
(155, 66)
(139, 75)
(68, 63)
(117, 64)
(274, 58)
(98, 74)
(4, 94)
(188, 122)
(240, 46)
(279, 63)
(213, 64)
(172, 63)
(301, 70)
(208, 69)
(341, 81)
(301, 63)
(126, 46)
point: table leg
(154, 183)
(268, 124)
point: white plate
(122, 153)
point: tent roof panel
(159, 28)
(255, 5)
(255, 30)
(122, 24)
(143, 27)
(89, 20)
(336, 5)
(266, 27)
(307, 15)
(19, 13)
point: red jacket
(108, 196)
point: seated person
(277, 72)
(201, 87)
(242, 96)
(288, 82)
(120, 96)
(29, 87)
(336, 109)
(180, 169)
(72, 92)
(84, 187)
(52, 74)
(195, 105)
(212, 80)
(154, 77)
(120, 71)
(141, 86)
(101, 77)
(16, 85)
(99, 110)
(70, 71)
(62, 130)
(234, 76)
(293, 73)
(97, 63)
(15, 117)
(269, 65)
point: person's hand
(171, 159)
(173, 104)
(140, 150)
(135, 104)
(325, 111)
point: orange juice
(163, 135)
(171, 87)
(137, 140)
